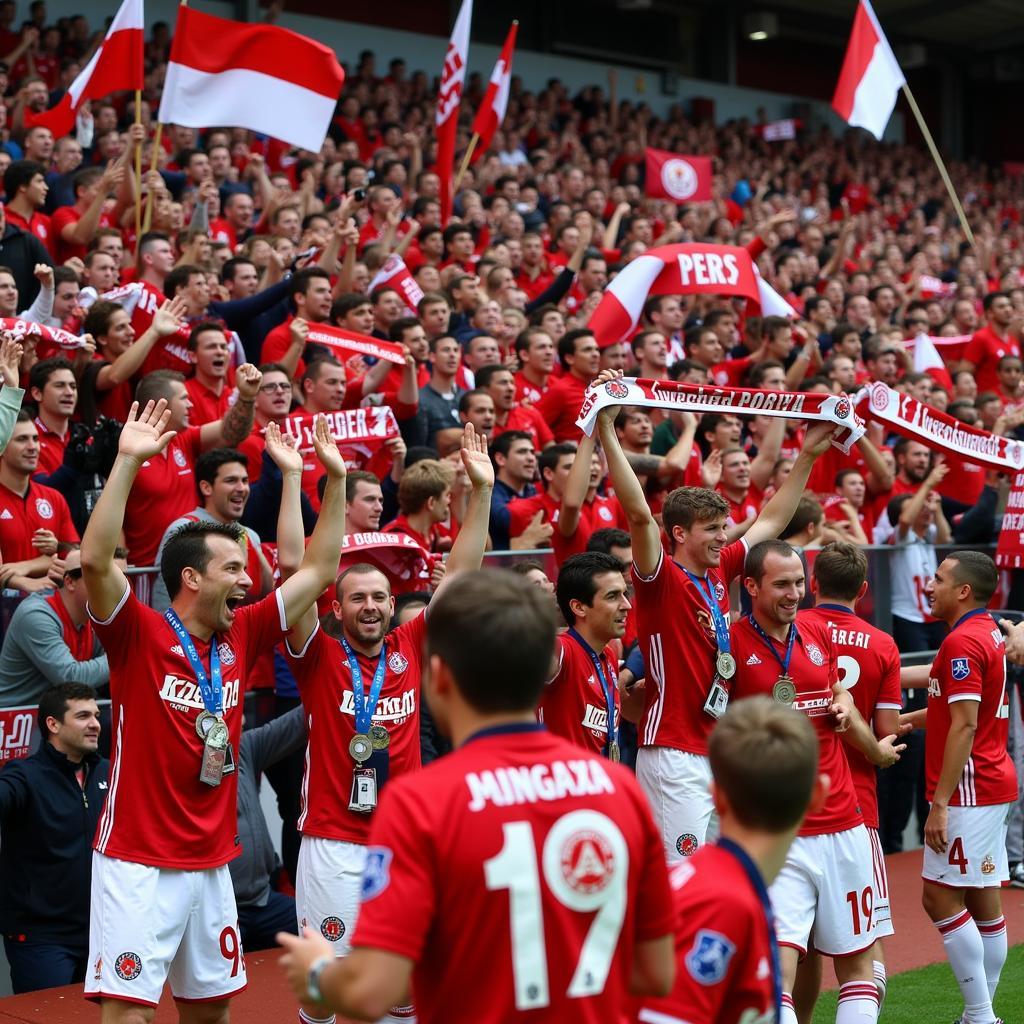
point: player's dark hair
(495, 632)
(54, 703)
(976, 570)
(156, 385)
(397, 328)
(753, 566)
(186, 548)
(764, 758)
(567, 344)
(609, 537)
(840, 570)
(208, 464)
(502, 444)
(485, 374)
(201, 328)
(552, 455)
(577, 579)
(40, 374)
(354, 478)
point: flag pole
(938, 162)
(147, 221)
(465, 162)
(138, 172)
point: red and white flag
(351, 341)
(453, 74)
(870, 79)
(395, 274)
(259, 77)
(116, 65)
(682, 179)
(927, 360)
(780, 131)
(495, 102)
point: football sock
(993, 937)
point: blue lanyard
(362, 705)
(609, 696)
(209, 685)
(754, 874)
(717, 618)
(793, 634)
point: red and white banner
(934, 287)
(1010, 550)
(351, 341)
(405, 563)
(927, 360)
(495, 102)
(395, 274)
(115, 66)
(950, 349)
(20, 329)
(700, 399)
(692, 268)
(17, 728)
(682, 179)
(453, 74)
(260, 77)
(938, 431)
(870, 79)
(780, 131)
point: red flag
(453, 74)
(395, 274)
(495, 102)
(116, 65)
(683, 179)
(352, 341)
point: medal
(360, 748)
(725, 664)
(215, 751)
(614, 754)
(204, 723)
(784, 690)
(380, 738)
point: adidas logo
(753, 660)
(6, 514)
(176, 649)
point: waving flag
(453, 74)
(870, 78)
(683, 179)
(495, 102)
(115, 66)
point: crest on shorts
(988, 865)
(814, 653)
(396, 662)
(332, 928)
(687, 844)
(97, 969)
(709, 958)
(44, 508)
(616, 389)
(128, 966)
(227, 656)
(961, 668)
(376, 873)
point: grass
(929, 995)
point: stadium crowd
(199, 298)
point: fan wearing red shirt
(581, 699)
(337, 677)
(988, 345)
(547, 897)
(178, 685)
(25, 190)
(54, 388)
(74, 227)
(682, 608)
(831, 857)
(499, 382)
(536, 354)
(560, 404)
(425, 502)
(310, 291)
(764, 765)
(969, 779)
(534, 276)
(209, 388)
(737, 486)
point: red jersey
(868, 662)
(741, 511)
(536, 286)
(276, 345)
(984, 351)
(164, 489)
(813, 669)
(677, 638)
(971, 665)
(207, 405)
(527, 391)
(549, 851)
(722, 941)
(42, 508)
(439, 540)
(560, 405)
(38, 225)
(325, 685)
(65, 216)
(573, 704)
(157, 811)
(528, 419)
(51, 448)
(594, 515)
(729, 373)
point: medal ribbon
(609, 696)
(209, 685)
(362, 705)
(770, 644)
(717, 617)
(754, 874)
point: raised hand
(286, 457)
(298, 329)
(43, 273)
(475, 459)
(11, 351)
(247, 380)
(327, 450)
(818, 438)
(144, 434)
(168, 318)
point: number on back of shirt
(585, 867)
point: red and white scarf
(55, 335)
(351, 341)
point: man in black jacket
(49, 806)
(19, 253)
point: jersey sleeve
(890, 693)
(733, 556)
(544, 433)
(975, 350)
(961, 672)
(262, 624)
(520, 512)
(122, 634)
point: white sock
(993, 937)
(858, 1003)
(788, 1013)
(880, 981)
(966, 954)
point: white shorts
(150, 925)
(328, 883)
(976, 855)
(825, 893)
(678, 787)
(882, 912)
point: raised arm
(165, 323)
(576, 487)
(913, 508)
(467, 552)
(236, 424)
(143, 437)
(768, 453)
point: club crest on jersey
(128, 966)
(814, 653)
(332, 928)
(44, 508)
(396, 662)
(227, 656)
(376, 873)
(587, 860)
(687, 844)
(719, 591)
(960, 668)
(709, 958)
(605, 513)
(179, 458)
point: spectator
(439, 397)
(560, 404)
(515, 466)
(54, 389)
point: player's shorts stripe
(305, 780)
(107, 820)
(654, 1017)
(881, 879)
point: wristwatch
(313, 977)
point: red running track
(915, 944)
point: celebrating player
(162, 901)
(519, 873)
(361, 694)
(764, 767)
(682, 607)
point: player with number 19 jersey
(518, 873)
